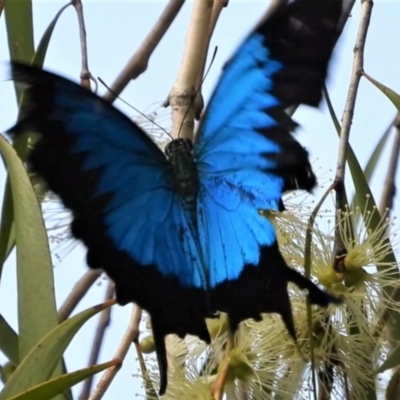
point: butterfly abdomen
(184, 171)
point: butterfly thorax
(184, 170)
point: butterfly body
(184, 171)
(181, 233)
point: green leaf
(40, 53)
(364, 195)
(8, 341)
(7, 227)
(37, 309)
(40, 362)
(49, 389)
(7, 238)
(372, 164)
(37, 313)
(390, 94)
(19, 25)
(6, 371)
(376, 154)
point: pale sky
(115, 29)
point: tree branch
(347, 119)
(131, 335)
(358, 65)
(78, 291)
(182, 93)
(104, 322)
(85, 74)
(139, 61)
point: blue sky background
(115, 29)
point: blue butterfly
(180, 232)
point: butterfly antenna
(198, 89)
(134, 108)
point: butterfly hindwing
(231, 229)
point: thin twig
(139, 61)
(217, 388)
(104, 322)
(142, 363)
(182, 93)
(85, 74)
(389, 187)
(78, 291)
(358, 64)
(347, 119)
(131, 335)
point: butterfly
(180, 232)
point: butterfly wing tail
(286, 313)
(264, 290)
(317, 296)
(161, 353)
